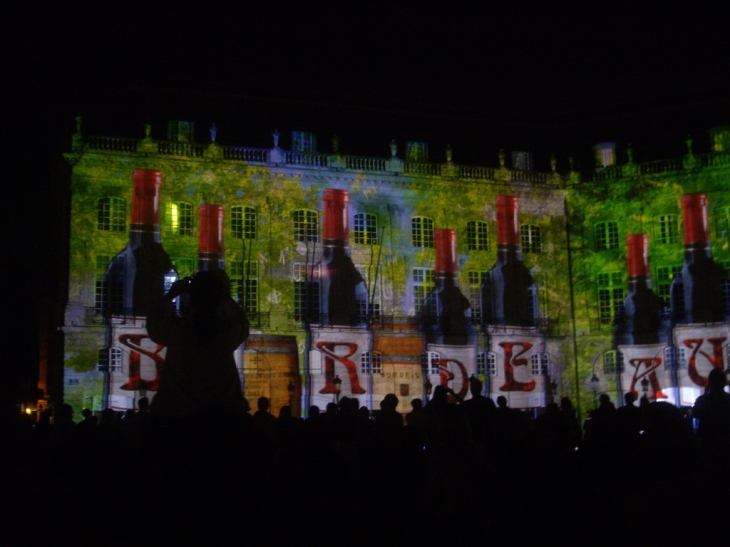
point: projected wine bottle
(446, 312)
(343, 286)
(135, 281)
(697, 295)
(507, 290)
(639, 319)
(136, 277)
(211, 253)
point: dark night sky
(546, 79)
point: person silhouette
(199, 374)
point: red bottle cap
(445, 241)
(696, 222)
(335, 215)
(146, 198)
(210, 238)
(637, 255)
(508, 220)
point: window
(178, 218)
(477, 236)
(244, 277)
(371, 363)
(540, 364)
(664, 277)
(667, 229)
(530, 238)
(243, 222)
(301, 141)
(306, 225)
(422, 232)
(726, 286)
(492, 363)
(416, 151)
(612, 362)
(184, 266)
(481, 364)
(366, 229)
(108, 294)
(606, 236)
(111, 214)
(306, 292)
(610, 295)
(109, 360)
(430, 362)
(423, 283)
(474, 293)
(368, 274)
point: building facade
(570, 230)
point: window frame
(606, 235)
(306, 228)
(531, 238)
(243, 222)
(365, 229)
(477, 235)
(111, 214)
(422, 232)
(184, 225)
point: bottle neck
(509, 252)
(210, 261)
(140, 234)
(639, 282)
(697, 251)
(446, 279)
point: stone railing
(475, 173)
(607, 173)
(305, 159)
(530, 177)
(111, 144)
(661, 166)
(182, 149)
(365, 164)
(249, 155)
(427, 169)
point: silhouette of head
(566, 404)
(417, 404)
(629, 398)
(716, 380)
(313, 410)
(475, 386)
(390, 402)
(262, 404)
(502, 401)
(207, 289)
(604, 399)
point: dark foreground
(343, 479)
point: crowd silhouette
(448, 468)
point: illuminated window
(667, 228)
(306, 292)
(306, 225)
(366, 229)
(371, 363)
(664, 277)
(244, 276)
(111, 214)
(535, 364)
(422, 232)
(481, 364)
(178, 218)
(477, 236)
(474, 293)
(243, 222)
(530, 238)
(606, 236)
(610, 295)
(423, 283)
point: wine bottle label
(699, 349)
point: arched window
(366, 229)
(178, 218)
(477, 237)
(243, 222)
(306, 225)
(422, 232)
(606, 236)
(111, 214)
